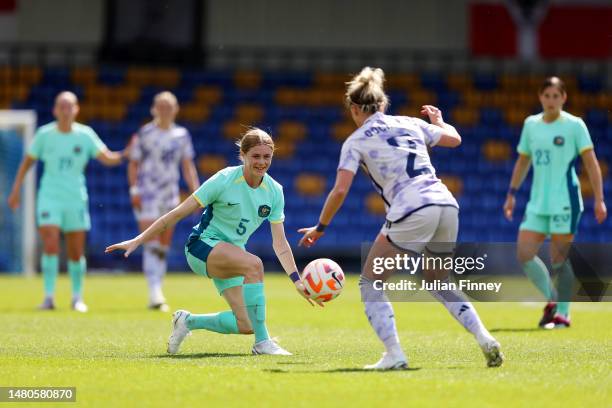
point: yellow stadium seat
(603, 100)
(290, 130)
(207, 94)
(287, 97)
(210, 164)
(138, 76)
(308, 184)
(327, 80)
(515, 116)
(375, 204)
(406, 82)
(29, 74)
(249, 113)
(247, 79)
(165, 77)
(84, 75)
(342, 130)
(232, 129)
(465, 116)
(497, 150)
(422, 97)
(410, 110)
(194, 112)
(459, 82)
(284, 148)
(453, 183)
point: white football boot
(493, 354)
(390, 361)
(269, 347)
(78, 305)
(179, 330)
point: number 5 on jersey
(241, 227)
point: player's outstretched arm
(14, 199)
(335, 198)
(521, 168)
(594, 172)
(161, 224)
(450, 137)
(110, 158)
(283, 252)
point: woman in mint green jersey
(550, 142)
(65, 147)
(237, 200)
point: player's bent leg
(77, 267)
(49, 262)
(228, 261)
(233, 321)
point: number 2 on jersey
(403, 141)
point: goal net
(17, 229)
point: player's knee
(254, 269)
(523, 255)
(51, 247)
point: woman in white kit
(422, 215)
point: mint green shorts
(197, 253)
(566, 223)
(68, 217)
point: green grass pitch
(115, 354)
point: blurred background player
(421, 211)
(550, 143)
(159, 149)
(65, 147)
(237, 200)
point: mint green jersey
(553, 148)
(234, 210)
(65, 156)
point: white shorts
(434, 227)
(153, 208)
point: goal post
(18, 229)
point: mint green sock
(255, 302)
(565, 286)
(50, 266)
(538, 274)
(224, 322)
(76, 270)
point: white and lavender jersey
(392, 150)
(160, 153)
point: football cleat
(269, 347)
(47, 304)
(493, 354)
(559, 321)
(79, 306)
(179, 330)
(389, 362)
(549, 313)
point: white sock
(464, 312)
(380, 314)
(151, 268)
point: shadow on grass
(516, 330)
(336, 370)
(200, 355)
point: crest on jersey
(77, 149)
(559, 141)
(264, 211)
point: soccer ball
(323, 279)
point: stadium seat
(497, 150)
(374, 204)
(309, 184)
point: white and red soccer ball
(323, 279)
